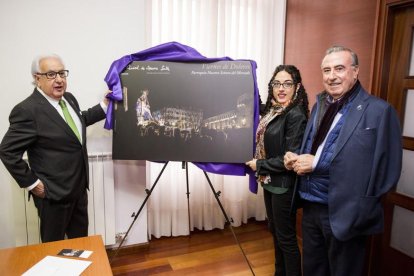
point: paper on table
(50, 266)
(85, 254)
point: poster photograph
(181, 111)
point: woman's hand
(289, 160)
(252, 164)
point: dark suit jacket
(284, 133)
(366, 164)
(55, 155)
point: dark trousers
(323, 254)
(282, 224)
(59, 218)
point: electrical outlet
(119, 236)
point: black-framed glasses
(51, 75)
(285, 85)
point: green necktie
(69, 119)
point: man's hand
(106, 100)
(303, 164)
(39, 190)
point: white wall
(88, 35)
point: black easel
(216, 195)
(185, 166)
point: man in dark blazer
(57, 170)
(350, 157)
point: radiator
(101, 196)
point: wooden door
(392, 253)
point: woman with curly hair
(281, 128)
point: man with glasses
(51, 128)
(350, 157)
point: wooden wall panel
(313, 26)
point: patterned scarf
(260, 153)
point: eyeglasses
(51, 75)
(285, 85)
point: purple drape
(174, 51)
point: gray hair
(36, 63)
(335, 49)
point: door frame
(381, 60)
(382, 44)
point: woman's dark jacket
(284, 133)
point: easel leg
(139, 211)
(216, 195)
(185, 164)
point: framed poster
(185, 111)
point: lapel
(311, 122)
(52, 114)
(50, 111)
(353, 117)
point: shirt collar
(53, 102)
